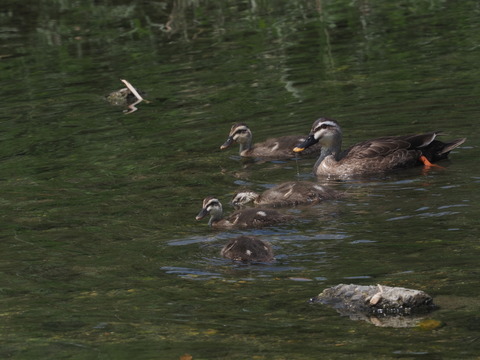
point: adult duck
(291, 193)
(276, 148)
(246, 218)
(372, 156)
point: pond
(102, 257)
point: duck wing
(399, 151)
(385, 146)
(255, 217)
(293, 193)
(386, 153)
(280, 195)
(376, 148)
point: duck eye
(323, 126)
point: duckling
(290, 193)
(248, 249)
(245, 218)
(278, 148)
(372, 156)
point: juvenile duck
(248, 249)
(239, 219)
(372, 156)
(279, 148)
(290, 193)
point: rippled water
(102, 256)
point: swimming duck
(372, 156)
(290, 193)
(279, 148)
(128, 96)
(248, 249)
(245, 218)
(121, 97)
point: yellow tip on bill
(298, 149)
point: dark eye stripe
(213, 203)
(324, 126)
(240, 131)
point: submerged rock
(380, 305)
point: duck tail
(451, 145)
(438, 150)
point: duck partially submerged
(246, 218)
(128, 96)
(277, 148)
(291, 193)
(372, 156)
(248, 249)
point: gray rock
(377, 300)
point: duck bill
(308, 142)
(227, 143)
(201, 214)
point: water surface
(102, 257)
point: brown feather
(291, 193)
(246, 218)
(248, 249)
(372, 156)
(273, 148)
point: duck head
(239, 133)
(244, 197)
(213, 207)
(325, 131)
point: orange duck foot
(428, 164)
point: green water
(101, 255)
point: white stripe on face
(319, 128)
(329, 123)
(210, 203)
(324, 123)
